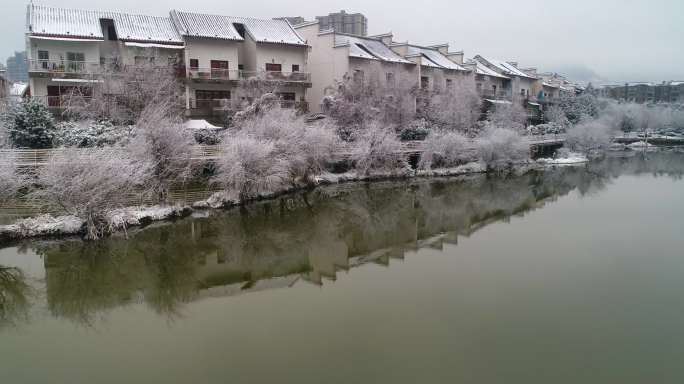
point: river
(569, 275)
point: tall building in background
(343, 22)
(17, 67)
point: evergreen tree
(30, 125)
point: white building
(439, 69)
(69, 49)
(221, 50)
(521, 85)
(336, 56)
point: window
(479, 77)
(287, 96)
(295, 67)
(479, 86)
(449, 84)
(43, 58)
(424, 82)
(241, 67)
(240, 28)
(75, 61)
(358, 76)
(389, 76)
(270, 67)
(194, 63)
(219, 69)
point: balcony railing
(496, 95)
(213, 74)
(210, 103)
(64, 66)
(61, 102)
(291, 104)
(298, 77)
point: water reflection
(306, 237)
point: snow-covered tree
(162, 141)
(363, 98)
(12, 179)
(124, 92)
(578, 108)
(501, 148)
(29, 124)
(444, 150)
(377, 148)
(457, 108)
(507, 116)
(250, 167)
(589, 136)
(90, 184)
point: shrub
(249, 167)
(377, 149)
(87, 134)
(444, 150)
(162, 141)
(507, 116)
(589, 136)
(30, 125)
(90, 184)
(417, 130)
(500, 148)
(12, 179)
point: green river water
(570, 275)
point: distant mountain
(580, 74)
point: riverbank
(48, 226)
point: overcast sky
(620, 40)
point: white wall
(58, 49)
(325, 63)
(286, 55)
(206, 50)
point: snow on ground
(570, 158)
(640, 144)
(45, 225)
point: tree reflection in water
(15, 294)
(308, 236)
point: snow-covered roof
(367, 48)
(433, 58)
(676, 83)
(638, 83)
(223, 27)
(503, 67)
(77, 23)
(482, 69)
(550, 85)
(18, 89)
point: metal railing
(496, 95)
(210, 103)
(61, 101)
(297, 77)
(64, 66)
(213, 74)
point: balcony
(277, 76)
(495, 95)
(213, 74)
(64, 67)
(59, 103)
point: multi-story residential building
(521, 84)
(222, 50)
(17, 67)
(69, 50)
(222, 60)
(490, 84)
(4, 86)
(336, 56)
(439, 69)
(343, 22)
(645, 92)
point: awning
(535, 104)
(65, 38)
(153, 45)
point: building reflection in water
(306, 237)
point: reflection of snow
(640, 144)
(570, 158)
